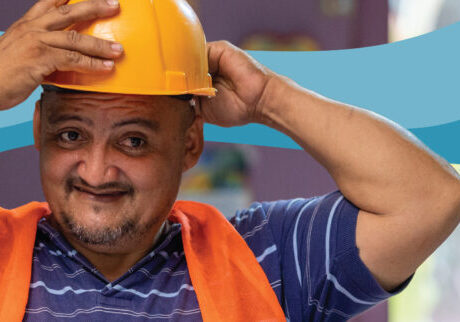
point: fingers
(224, 58)
(87, 45)
(215, 51)
(228, 61)
(66, 15)
(67, 60)
(42, 7)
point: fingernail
(109, 64)
(117, 47)
(113, 3)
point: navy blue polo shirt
(306, 247)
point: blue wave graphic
(439, 138)
(16, 136)
(442, 139)
(413, 82)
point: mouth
(101, 196)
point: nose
(96, 166)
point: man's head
(111, 164)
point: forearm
(378, 165)
(409, 198)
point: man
(111, 167)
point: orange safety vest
(229, 282)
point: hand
(36, 45)
(241, 83)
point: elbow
(435, 200)
(443, 205)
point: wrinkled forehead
(160, 107)
(55, 89)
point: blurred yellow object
(164, 51)
(200, 182)
(272, 41)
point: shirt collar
(57, 241)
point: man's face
(111, 164)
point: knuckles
(224, 44)
(92, 63)
(30, 37)
(72, 57)
(31, 44)
(99, 44)
(37, 50)
(64, 9)
(73, 37)
(21, 27)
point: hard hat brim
(135, 91)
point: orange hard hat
(164, 51)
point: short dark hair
(52, 88)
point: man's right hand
(37, 45)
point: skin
(36, 45)
(409, 198)
(111, 167)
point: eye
(69, 136)
(133, 142)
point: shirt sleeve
(323, 276)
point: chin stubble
(107, 236)
(127, 230)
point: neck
(114, 262)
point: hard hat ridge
(164, 52)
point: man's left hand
(240, 81)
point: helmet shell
(164, 51)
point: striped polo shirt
(306, 247)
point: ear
(193, 143)
(37, 125)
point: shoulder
(283, 216)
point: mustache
(72, 182)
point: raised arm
(409, 197)
(37, 45)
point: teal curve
(413, 82)
(440, 139)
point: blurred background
(232, 176)
(301, 25)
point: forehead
(103, 105)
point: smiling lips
(108, 195)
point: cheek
(153, 175)
(156, 179)
(55, 167)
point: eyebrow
(138, 121)
(53, 119)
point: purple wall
(233, 20)
(12, 10)
(285, 174)
(20, 177)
